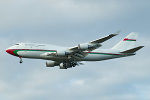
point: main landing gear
(68, 64)
(21, 60)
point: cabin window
(16, 44)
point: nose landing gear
(21, 60)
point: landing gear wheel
(65, 65)
(21, 60)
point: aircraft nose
(7, 50)
(10, 51)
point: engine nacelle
(87, 46)
(83, 46)
(51, 63)
(51, 53)
(62, 53)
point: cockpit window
(16, 44)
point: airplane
(68, 57)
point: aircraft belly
(38, 55)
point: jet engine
(67, 65)
(83, 46)
(87, 46)
(62, 53)
(51, 63)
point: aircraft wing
(78, 52)
(101, 40)
(92, 45)
(72, 56)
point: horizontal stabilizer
(132, 50)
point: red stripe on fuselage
(126, 39)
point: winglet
(116, 33)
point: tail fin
(127, 43)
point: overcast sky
(68, 23)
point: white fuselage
(37, 51)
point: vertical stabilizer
(127, 43)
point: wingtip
(142, 46)
(116, 33)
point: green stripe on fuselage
(130, 40)
(15, 52)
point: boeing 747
(68, 57)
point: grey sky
(67, 23)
